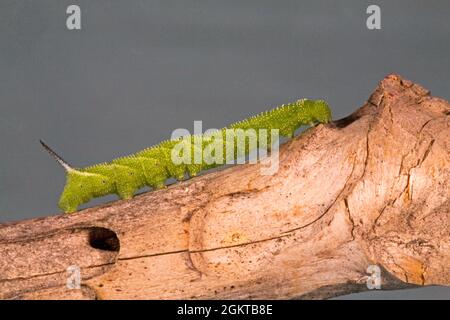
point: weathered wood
(370, 189)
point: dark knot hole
(103, 239)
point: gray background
(139, 69)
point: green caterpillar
(153, 166)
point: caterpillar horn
(60, 160)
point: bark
(369, 189)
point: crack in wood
(350, 218)
(165, 215)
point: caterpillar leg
(81, 187)
(127, 180)
(125, 193)
(177, 171)
(194, 169)
(69, 202)
(70, 199)
(126, 189)
(287, 132)
(158, 185)
(68, 207)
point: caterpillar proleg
(153, 166)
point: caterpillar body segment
(188, 155)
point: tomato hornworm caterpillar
(153, 166)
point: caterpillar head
(317, 110)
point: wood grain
(370, 189)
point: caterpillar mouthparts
(190, 154)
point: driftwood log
(369, 189)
